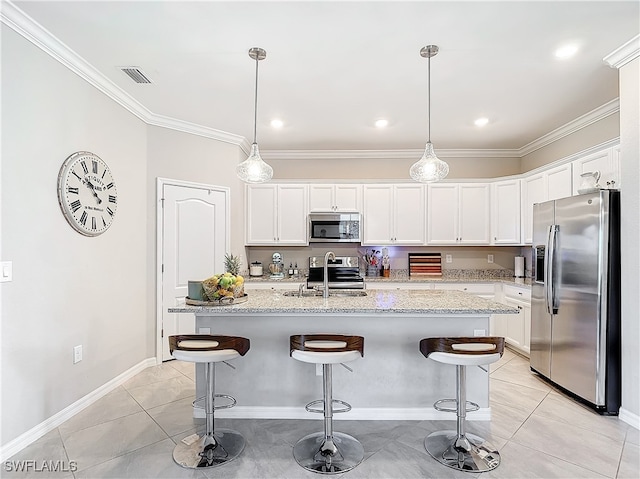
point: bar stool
(458, 449)
(217, 446)
(327, 452)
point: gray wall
(67, 289)
(630, 234)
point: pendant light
(254, 169)
(429, 168)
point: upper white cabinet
(276, 214)
(393, 214)
(458, 214)
(337, 197)
(558, 182)
(505, 212)
(607, 162)
(543, 186)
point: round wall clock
(87, 193)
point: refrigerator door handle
(550, 289)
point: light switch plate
(489, 258)
(6, 271)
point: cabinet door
(559, 182)
(292, 214)
(505, 217)
(442, 217)
(409, 212)
(377, 214)
(321, 198)
(515, 325)
(348, 198)
(533, 191)
(474, 214)
(606, 162)
(260, 221)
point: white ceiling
(333, 68)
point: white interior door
(195, 223)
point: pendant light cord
(429, 99)
(255, 107)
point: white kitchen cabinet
(276, 214)
(393, 214)
(607, 162)
(505, 212)
(339, 198)
(458, 214)
(516, 328)
(484, 290)
(558, 182)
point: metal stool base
(470, 455)
(206, 452)
(349, 453)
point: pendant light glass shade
(254, 169)
(429, 168)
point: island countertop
(431, 302)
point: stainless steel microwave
(335, 227)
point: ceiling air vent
(136, 74)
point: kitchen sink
(335, 293)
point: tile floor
(131, 432)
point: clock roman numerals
(87, 193)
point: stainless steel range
(344, 273)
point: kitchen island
(392, 381)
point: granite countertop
(402, 276)
(376, 302)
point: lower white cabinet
(515, 328)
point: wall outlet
(489, 258)
(77, 354)
(204, 330)
(448, 258)
(479, 332)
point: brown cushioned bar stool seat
(327, 452)
(458, 449)
(215, 446)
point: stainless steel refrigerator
(575, 297)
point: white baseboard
(362, 414)
(39, 430)
(629, 417)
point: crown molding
(579, 123)
(624, 54)
(31, 30)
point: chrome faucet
(330, 255)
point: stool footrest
(441, 405)
(199, 402)
(311, 407)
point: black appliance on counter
(344, 273)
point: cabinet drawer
(473, 288)
(516, 293)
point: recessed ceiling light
(382, 123)
(481, 121)
(277, 123)
(567, 51)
